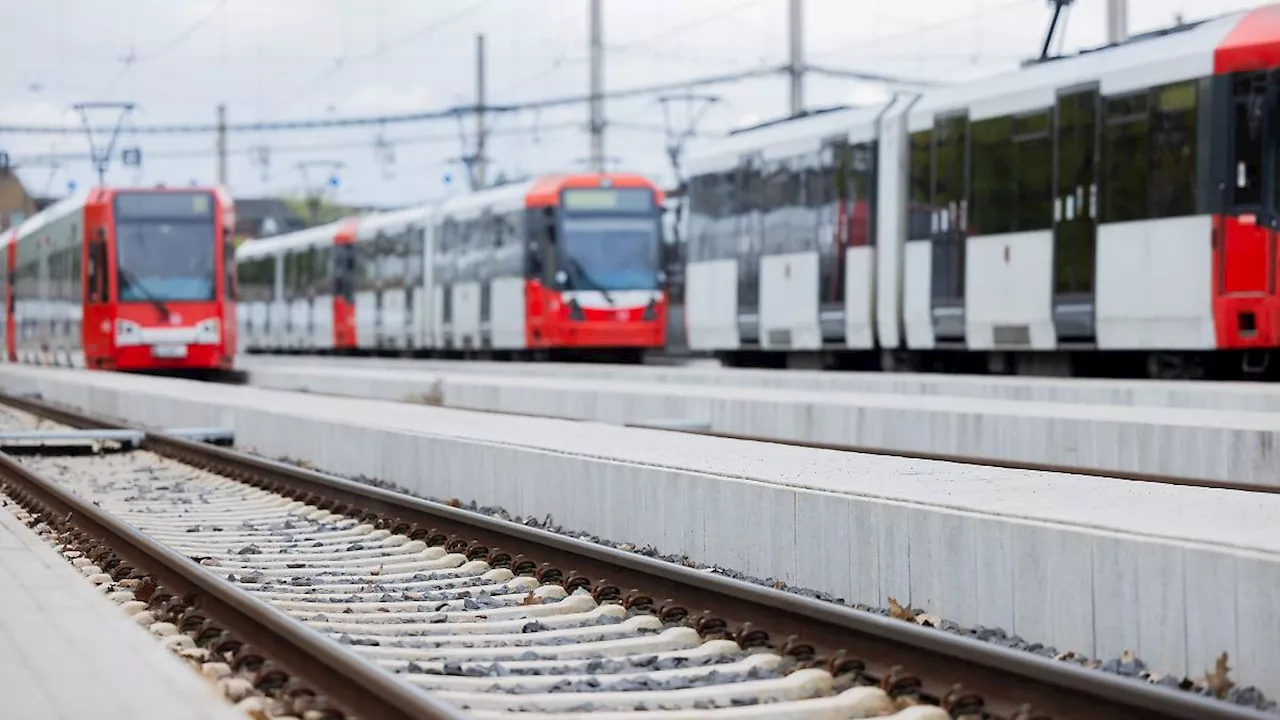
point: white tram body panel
(49, 329)
(488, 314)
(387, 297)
(1153, 288)
(993, 227)
(892, 221)
(783, 273)
(1142, 294)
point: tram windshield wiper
(591, 282)
(132, 282)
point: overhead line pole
(478, 182)
(597, 89)
(1117, 21)
(222, 145)
(795, 68)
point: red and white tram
(123, 279)
(1112, 212)
(566, 265)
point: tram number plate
(169, 351)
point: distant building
(16, 204)
(264, 217)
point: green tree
(317, 210)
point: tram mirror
(662, 277)
(562, 278)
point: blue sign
(131, 157)
(448, 178)
(333, 181)
(71, 186)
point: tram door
(949, 225)
(1246, 235)
(1075, 215)
(98, 324)
(1251, 200)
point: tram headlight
(128, 332)
(209, 331)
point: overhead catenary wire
(51, 159)
(454, 112)
(380, 49)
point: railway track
(301, 585)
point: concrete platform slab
(1231, 446)
(1073, 561)
(1261, 397)
(67, 653)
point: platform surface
(68, 653)
(1250, 396)
(1225, 445)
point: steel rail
(1012, 684)
(359, 686)
(1131, 475)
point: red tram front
(126, 279)
(595, 279)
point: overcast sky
(299, 59)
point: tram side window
(507, 253)
(291, 275)
(97, 290)
(289, 272)
(811, 196)
(861, 181)
(68, 280)
(248, 279)
(443, 255)
(745, 243)
(484, 244)
(391, 259)
(1173, 151)
(344, 271)
(75, 271)
(366, 266)
(306, 258)
(416, 239)
(1033, 155)
(302, 273)
(322, 271)
(825, 176)
(1125, 150)
(994, 205)
(463, 251)
(715, 209)
(248, 288)
(949, 175)
(921, 182)
(1149, 154)
(266, 278)
(55, 275)
(704, 211)
(780, 193)
(539, 233)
